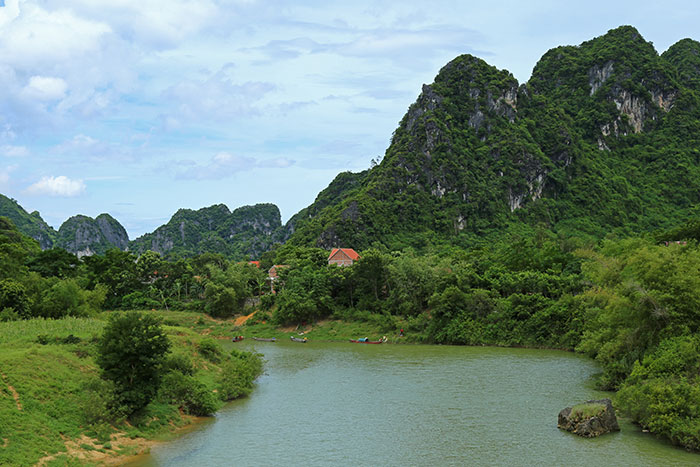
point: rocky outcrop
(247, 231)
(85, 236)
(590, 419)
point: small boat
(264, 339)
(237, 338)
(298, 339)
(364, 340)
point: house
(255, 263)
(272, 275)
(343, 256)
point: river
(341, 404)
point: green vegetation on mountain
(85, 236)
(31, 225)
(603, 138)
(247, 231)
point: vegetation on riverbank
(56, 409)
(629, 303)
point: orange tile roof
(352, 254)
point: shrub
(238, 374)
(13, 295)
(210, 350)
(179, 362)
(189, 394)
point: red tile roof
(352, 254)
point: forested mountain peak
(85, 236)
(247, 231)
(31, 225)
(684, 56)
(596, 141)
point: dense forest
(632, 303)
(559, 213)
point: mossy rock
(590, 419)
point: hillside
(85, 236)
(602, 138)
(247, 231)
(31, 225)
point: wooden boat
(237, 338)
(298, 339)
(362, 341)
(264, 339)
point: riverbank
(53, 403)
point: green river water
(342, 404)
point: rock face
(247, 231)
(590, 419)
(85, 236)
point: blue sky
(140, 107)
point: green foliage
(54, 262)
(188, 393)
(66, 298)
(644, 293)
(210, 350)
(238, 374)
(246, 232)
(131, 352)
(31, 225)
(584, 411)
(662, 394)
(13, 296)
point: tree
(54, 262)
(131, 353)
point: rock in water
(590, 419)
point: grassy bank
(53, 403)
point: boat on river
(264, 339)
(237, 338)
(364, 340)
(298, 339)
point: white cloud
(37, 37)
(83, 147)
(218, 96)
(45, 88)
(225, 164)
(57, 186)
(14, 151)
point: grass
(586, 410)
(50, 399)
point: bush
(9, 314)
(190, 395)
(13, 295)
(210, 350)
(238, 374)
(179, 362)
(131, 353)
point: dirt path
(240, 321)
(15, 394)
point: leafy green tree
(54, 262)
(13, 295)
(131, 353)
(15, 248)
(117, 271)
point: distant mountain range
(603, 138)
(246, 232)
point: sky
(140, 107)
